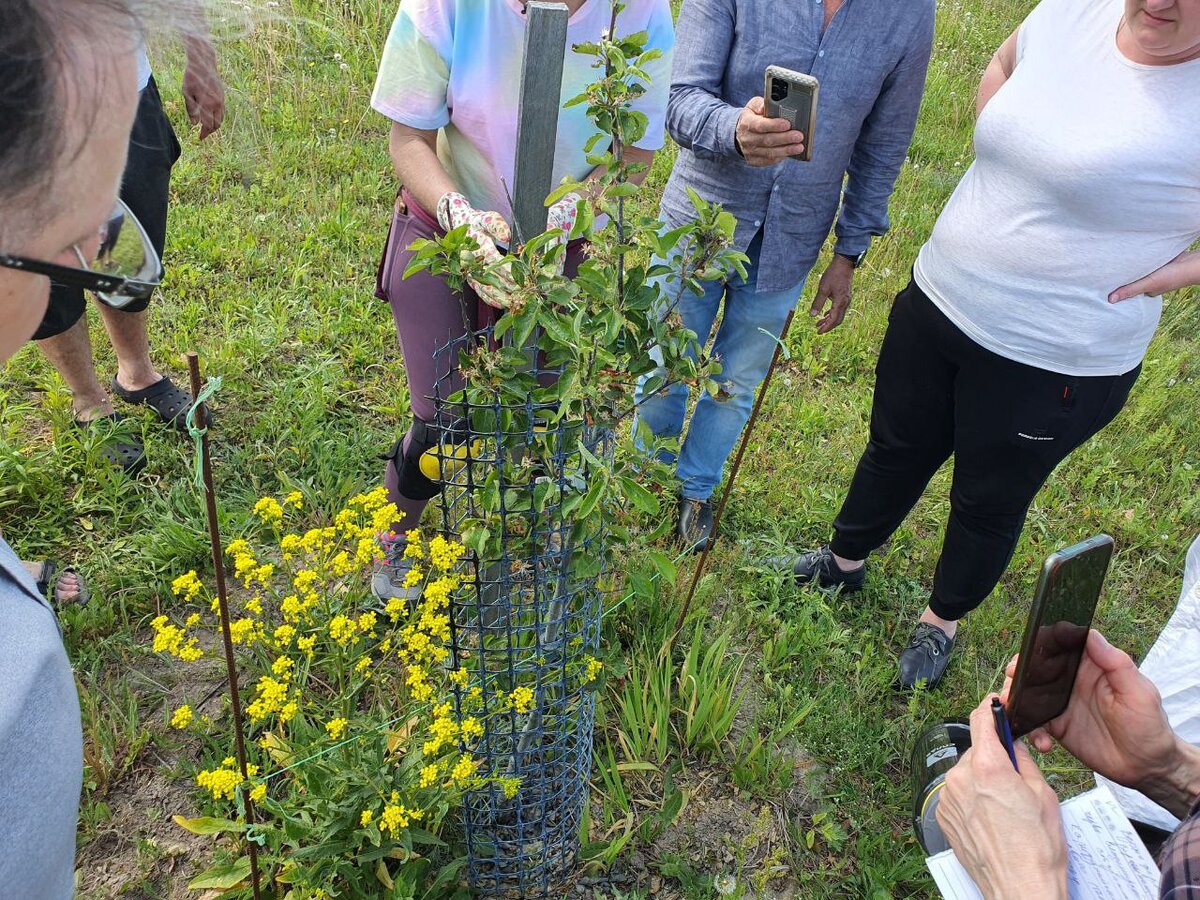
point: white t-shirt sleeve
(414, 72)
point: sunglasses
(126, 266)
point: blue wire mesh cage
(526, 619)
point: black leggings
(145, 188)
(1008, 425)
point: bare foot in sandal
(69, 587)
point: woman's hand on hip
(1183, 271)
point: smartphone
(793, 96)
(1052, 648)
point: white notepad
(1108, 861)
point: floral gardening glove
(486, 228)
(560, 220)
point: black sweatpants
(145, 188)
(1008, 425)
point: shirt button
(757, 223)
(820, 53)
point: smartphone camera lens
(779, 89)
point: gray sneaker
(387, 581)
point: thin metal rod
(737, 464)
(214, 537)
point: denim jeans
(744, 346)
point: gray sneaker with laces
(387, 581)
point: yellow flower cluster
(397, 816)
(182, 717)
(594, 668)
(463, 770)
(172, 639)
(186, 586)
(247, 630)
(303, 621)
(444, 554)
(274, 698)
(246, 567)
(223, 781)
(269, 510)
(521, 699)
(418, 683)
(442, 730)
(509, 785)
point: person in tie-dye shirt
(450, 82)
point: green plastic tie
(213, 385)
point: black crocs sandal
(120, 449)
(49, 579)
(166, 398)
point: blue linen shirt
(871, 64)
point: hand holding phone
(763, 140)
(792, 96)
(1052, 647)
(1113, 722)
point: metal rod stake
(214, 537)
(737, 464)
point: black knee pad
(413, 483)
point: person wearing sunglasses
(63, 335)
(68, 93)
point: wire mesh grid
(525, 621)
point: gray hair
(38, 47)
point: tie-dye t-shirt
(455, 65)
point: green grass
(276, 228)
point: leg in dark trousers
(1008, 424)
(912, 430)
(1013, 425)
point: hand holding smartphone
(792, 96)
(1056, 634)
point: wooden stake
(199, 418)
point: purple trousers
(428, 315)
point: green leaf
(206, 824)
(425, 838)
(663, 565)
(639, 496)
(591, 500)
(562, 190)
(223, 877)
(623, 189)
(476, 539)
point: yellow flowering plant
(357, 756)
